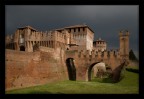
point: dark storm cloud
(105, 21)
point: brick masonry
(25, 69)
(35, 58)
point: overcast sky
(105, 20)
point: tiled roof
(99, 40)
(75, 26)
(28, 27)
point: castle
(79, 36)
(34, 57)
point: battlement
(124, 33)
(40, 35)
(31, 35)
(98, 54)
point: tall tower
(124, 44)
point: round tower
(99, 45)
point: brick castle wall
(25, 69)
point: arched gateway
(71, 69)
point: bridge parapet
(98, 54)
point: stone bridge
(85, 60)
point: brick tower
(124, 44)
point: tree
(132, 56)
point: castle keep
(34, 57)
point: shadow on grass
(132, 70)
(106, 80)
(35, 92)
(44, 92)
(39, 92)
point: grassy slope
(128, 85)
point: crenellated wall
(98, 54)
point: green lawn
(128, 85)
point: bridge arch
(71, 68)
(89, 70)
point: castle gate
(71, 68)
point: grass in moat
(128, 85)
